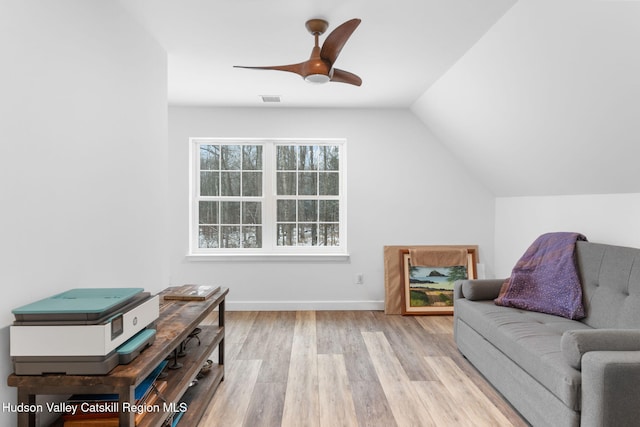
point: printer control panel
(117, 326)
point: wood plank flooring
(349, 368)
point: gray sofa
(556, 371)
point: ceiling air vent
(270, 98)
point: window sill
(268, 257)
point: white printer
(83, 331)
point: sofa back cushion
(610, 277)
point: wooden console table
(177, 320)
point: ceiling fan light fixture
(318, 68)
(317, 78)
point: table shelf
(176, 322)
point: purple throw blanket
(545, 279)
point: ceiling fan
(319, 67)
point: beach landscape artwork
(427, 287)
(433, 286)
(429, 290)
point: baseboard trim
(303, 305)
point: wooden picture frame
(432, 295)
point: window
(268, 197)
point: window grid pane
(252, 157)
(308, 157)
(208, 237)
(209, 157)
(252, 213)
(209, 183)
(307, 183)
(230, 183)
(329, 158)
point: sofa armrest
(476, 290)
(576, 343)
(610, 388)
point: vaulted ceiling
(535, 97)
(548, 101)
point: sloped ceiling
(548, 101)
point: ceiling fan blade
(292, 68)
(337, 39)
(345, 77)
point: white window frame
(270, 250)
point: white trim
(303, 305)
(269, 250)
(267, 257)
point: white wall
(83, 155)
(608, 218)
(403, 188)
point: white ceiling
(400, 49)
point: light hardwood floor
(349, 368)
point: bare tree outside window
(290, 190)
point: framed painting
(428, 289)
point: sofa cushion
(477, 290)
(610, 277)
(530, 339)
